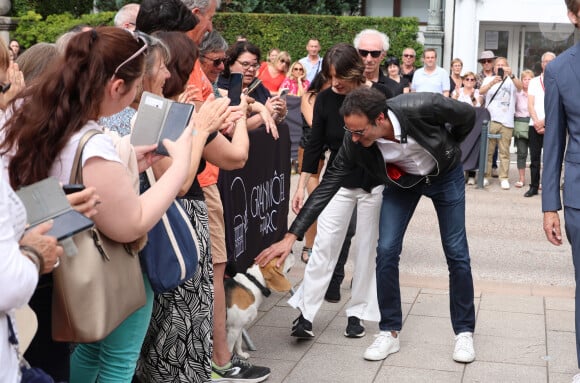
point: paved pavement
(523, 295)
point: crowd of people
(375, 122)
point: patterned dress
(178, 346)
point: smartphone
(73, 188)
(283, 93)
(235, 89)
(500, 72)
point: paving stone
(484, 372)
(515, 304)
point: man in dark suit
(562, 106)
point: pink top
(522, 104)
(292, 86)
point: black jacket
(436, 122)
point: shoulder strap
(497, 90)
(76, 174)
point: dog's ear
(275, 277)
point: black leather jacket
(436, 122)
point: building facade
(519, 30)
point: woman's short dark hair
(165, 15)
(183, 56)
(347, 63)
(236, 51)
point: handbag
(521, 127)
(171, 254)
(99, 287)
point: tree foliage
(312, 7)
(51, 7)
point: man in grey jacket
(411, 144)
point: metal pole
(482, 153)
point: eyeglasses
(300, 69)
(246, 65)
(408, 55)
(486, 61)
(365, 53)
(137, 37)
(359, 133)
(285, 62)
(216, 62)
(468, 79)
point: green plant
(285, 31)
(32, 28)
(291, 32)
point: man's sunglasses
(486, 61)
(216, 62)
(365, 53)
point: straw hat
(485, 55)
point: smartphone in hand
(283, 93)
(235, 88)
(73, 188)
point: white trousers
(331, 231)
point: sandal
(306, 252)
(519, 184)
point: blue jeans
(114, 358)
(448, 195)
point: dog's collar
(265, 291)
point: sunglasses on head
(216, 62)
(138, 37)
(365, 53)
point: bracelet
(33, 254)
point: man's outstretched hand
(280, 249)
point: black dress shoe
(531, 192)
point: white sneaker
(505, 184)
(471, 181)
(576, 378)
(384, 345)
(464, 351)
(485, 182)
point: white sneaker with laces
(384, 345)
(505, 184)
(576, 378)
(471, 181)
(464, 351)
(485, 182)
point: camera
(500, 72)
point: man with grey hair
(204, 10)
(372, 46)
(127, 16)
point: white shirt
(18, 275)
(411, 157)
(503, 107)
(536, 89)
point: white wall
(469, 14)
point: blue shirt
(436, 82)
(311, 69)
